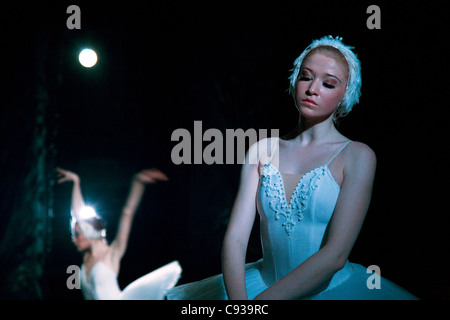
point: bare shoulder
(358, 151)
(360, 155)
(262, 150)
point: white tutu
(101, 284)
(354, 286)
(154, 285)
(213, 288)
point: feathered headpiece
(88, 217)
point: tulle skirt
(350, 284)
(154, 285)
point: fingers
(63, 179)
(151, 176)
(156, 174)
(61, 175)
(65, 175)
(145, 176)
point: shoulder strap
(339, 151)
(269, 154)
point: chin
(308, 113)
(314, 115)
(81, 248)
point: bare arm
(313, 274)
(77, 202)
(138, 184)
(239, 229)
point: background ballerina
(101, 261)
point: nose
(313, 88)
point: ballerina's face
(79, 240)
(321, 85)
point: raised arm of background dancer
(138, 184)
(77, 202)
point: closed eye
(325, 84)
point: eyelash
(326, 85)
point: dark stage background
(163, 65)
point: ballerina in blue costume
(311, 190)
(101, 261)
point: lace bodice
(292, 231)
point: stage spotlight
(87, 58)
(87, 212)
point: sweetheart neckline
(300, 180)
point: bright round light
(88, 58)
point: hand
(65, 175)
(150, 176)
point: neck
(315, 131)
(97, 248)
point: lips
(309, 102)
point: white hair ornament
(88, 230)
(353, 90)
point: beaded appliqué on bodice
(293, 212)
